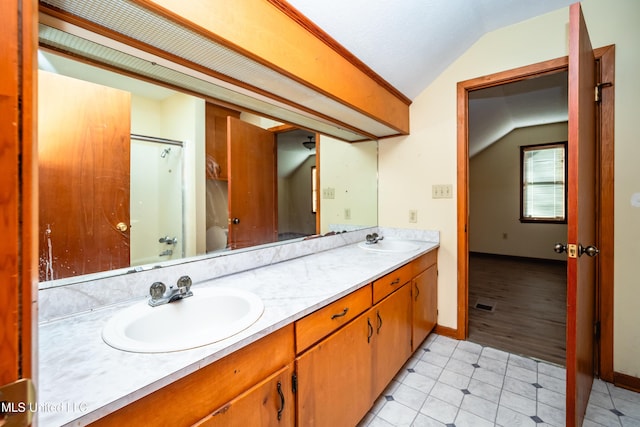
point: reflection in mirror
(144, 185)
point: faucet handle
(157, 290)
(185, 282)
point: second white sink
(390, 246)
(210, 315)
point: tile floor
(458, 383)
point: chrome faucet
(372, 239)
(161, 295)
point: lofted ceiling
(496, 111)
(410, 42)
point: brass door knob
(121, 226)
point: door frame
(18, 191)
(605, 57)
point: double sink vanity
(312, 340)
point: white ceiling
(496, 111)
(410, 42)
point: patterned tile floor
(458, 384)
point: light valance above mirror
(145, 41)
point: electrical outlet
(347, 213)
(413, 216)
(329, 193)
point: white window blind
(543, 182)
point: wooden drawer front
(424, 262)
(321, 323)
(391, 282)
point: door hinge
(598, 91)
(17, 403)
(596, 330)
(294, 383)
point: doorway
(605, 59)
(517, 283)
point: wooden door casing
(84, 162)
(252, 171)
(581, 218)
(18, 190)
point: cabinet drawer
(391, 282)
(321, 323)
(424, 262)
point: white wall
(494, 198)
(410, 165)
(350, 170)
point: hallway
(528, 299)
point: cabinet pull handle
(279, 387)
(370, 330)
(344, 312)
(379, 321)
(417, 292)
(395, 282)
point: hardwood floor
(529, 299)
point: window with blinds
(543, 183)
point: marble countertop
(82, 379)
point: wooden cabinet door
(269, 403)
(392, 337)
(424, 305)
(334, 377)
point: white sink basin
(390, 246)
(210, 315)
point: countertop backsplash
(71, 299)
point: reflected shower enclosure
(157, 205)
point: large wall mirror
(135, 175)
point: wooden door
(83, 149)
(581, 215)
(392, 337)
(269, 403)
(18, 190)
(253, 202)
(334, 377)
(424, 305)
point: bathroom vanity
(337, 327)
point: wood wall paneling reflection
(84, 163)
